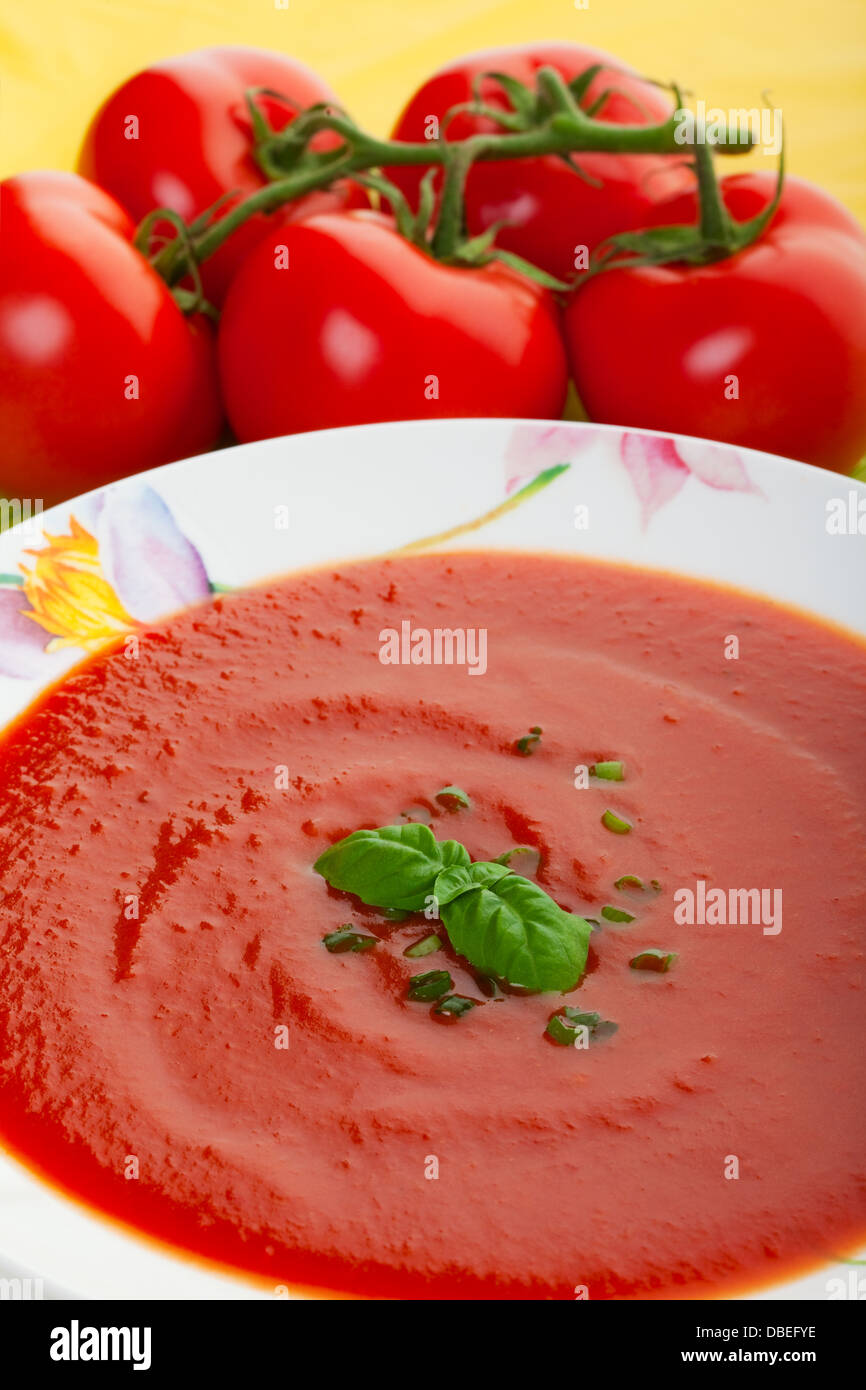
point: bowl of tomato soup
(431, 867)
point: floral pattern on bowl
(122, 563)
(657, 465)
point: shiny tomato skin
(194, 142)
(364, 327)
(100, 373)
(657, 347)
(550, 209)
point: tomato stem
(547, 122)
(715, 236)
(449, 226)
(716, 227)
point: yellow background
(60, 58)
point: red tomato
(179, 135)
(766, 349)
(363, 326)
(549, 208)
(100, 373)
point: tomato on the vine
(547, 207)
(338, 320)
(179, 135)
(100, 373)
(765, 348)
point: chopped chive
(588, 1018)
(509, 854)
(562, 1028)
(526, 744)
(605, 1029)
(628, 881)
(561, 1032)
(455, 1004)
(609, 771)
(423, 988)
(616, 914)
(611, 821)
(653, 960)
(348, 940)
(425, 947)
(448, 796)
(598, 1027)
(655, 885)
(395, 914)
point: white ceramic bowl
(777, 528)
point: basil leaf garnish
(505, 925)
(512, 929)
(462, 877)
(395, 867)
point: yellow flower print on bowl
(68, 594)
(121, 563)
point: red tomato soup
(165, 993)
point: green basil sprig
(395, 867)
(509, 927)
(451, 883)
(502, 923)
